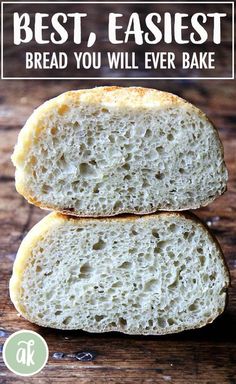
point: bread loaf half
(110, 150)
(154, 274)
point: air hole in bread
(193, 307)
(161, 322)
(125, 265)
(85, 269)
(174, 284)
(170, 137)
(161, 244)
(171, 255)
(99, 245)
(148, 133)
(48, 273)
(199, 250)
(173, 228)
(159, 150)
(46, 188)
(117, 284)
(86, 170)
(134, 232)
(155, 233)
(57, 313)
(202, 260)
(159, 176)
(122, 322)
(150, 285)
(99, 318)
(67, 320)
(118, 205)
(49, 295)
(126, 166)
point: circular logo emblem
(25, 353)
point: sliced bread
(154, 274)
(110, 150)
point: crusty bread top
(120, 97)
(75, 113)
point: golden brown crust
(55, 219)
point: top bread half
(111, 150)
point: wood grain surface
(204, 356)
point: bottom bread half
(155, 274)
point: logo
(25, 353)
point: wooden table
(203, 356)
